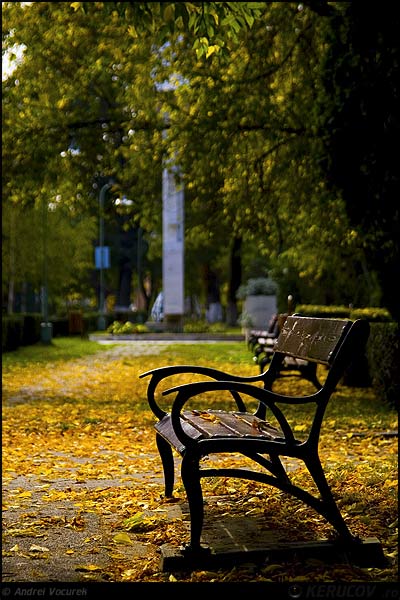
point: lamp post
(101, 323)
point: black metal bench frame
(262, 345)
(194, 434)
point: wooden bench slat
(210, 427)
(231, 424)
(165, 429)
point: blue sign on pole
(102, 257)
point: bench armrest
(157, 375)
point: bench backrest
(312, 339)
(331, 342)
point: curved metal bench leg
(191, 481)
(167, 460)
(329, 508)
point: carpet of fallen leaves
(83, 490)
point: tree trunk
(124, 289)
(235, 279)
(10, 299)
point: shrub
(383, 354)
(372, 314)
(257, 286)
(118, 328)
(316, 310)
(12, 331)
(196, 326)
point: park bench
(262, 345)
(195, 433)
(261, 341)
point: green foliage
(20, 330)
(383, 353)
(250, 133)
(202, 326)
(372, 314)
(119, 328)
(12, 332)
(196, 326)
(190, 326)
(311, 310)
(32, 238)
(359, 114)
(268, 189)
(214, 25)
(141, 328)
(257, 286)
(223, 328)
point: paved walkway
(166, 338)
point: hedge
(383, 355)
(12, 332)
(372, 314)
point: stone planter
(260, 310)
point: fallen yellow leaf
(88, 568)
(25, 495)
(35, 548)
(122, 538)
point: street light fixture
(124, 201)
